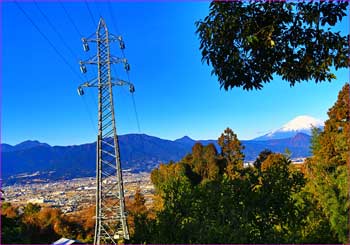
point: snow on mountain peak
(301, 123)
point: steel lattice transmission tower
(111, 224)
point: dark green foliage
(248, 42)
(328, 169)
(12, 230)
(31, 209)
(38, 225)
(270, 202)
(232, 152)
(261, 158)
(242, 205)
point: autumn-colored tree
(30, 212)
(141, 220)
(328, 168)
(261, 158)
(212, 162)
(42, 225)
(334, 141)
(231, 150)
(12, 228)
(198, 164)
(80, 225)
(8, 210)
(136, 207)
(279, 218)
(197, 150)
(257, 207)
(202, 163)
(31, 208)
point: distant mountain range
(139, 152)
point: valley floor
(73, 195)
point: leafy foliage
(231, 150)
(327, 170)
(140, 219)
(261, 158)
(234, 205)
(248, 42)
(36, 224)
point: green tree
(231, 150)
(327, 169)
(140, 224)
(31, 209)
(246, 43)
(280, 217)
(12, 230)
(12, 227)
(257, 207)
(41, 225)
(261, 158)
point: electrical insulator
(80, 91)
(132, 88)
(122, 45)
(127, 66)
(83, 68)
(86, 47)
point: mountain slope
(299, 146)
(22, 146)
(139, 152)
(7, 148)
(300, 124)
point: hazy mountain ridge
(22, 146)
(139, 152)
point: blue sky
(175, 93)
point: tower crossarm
(91, 61)
(112, 60)
(111, 38)
(116, 60)
(114, 82)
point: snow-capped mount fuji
(300, 124)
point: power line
(71, 20)
(133, 99)
(58, 53)
(110, 10)
(136, 114)
(80, 36)
(91, 15)
(48, 40)
(98, 8)
(55, 30)
(89, 114)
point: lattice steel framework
(111, 225)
